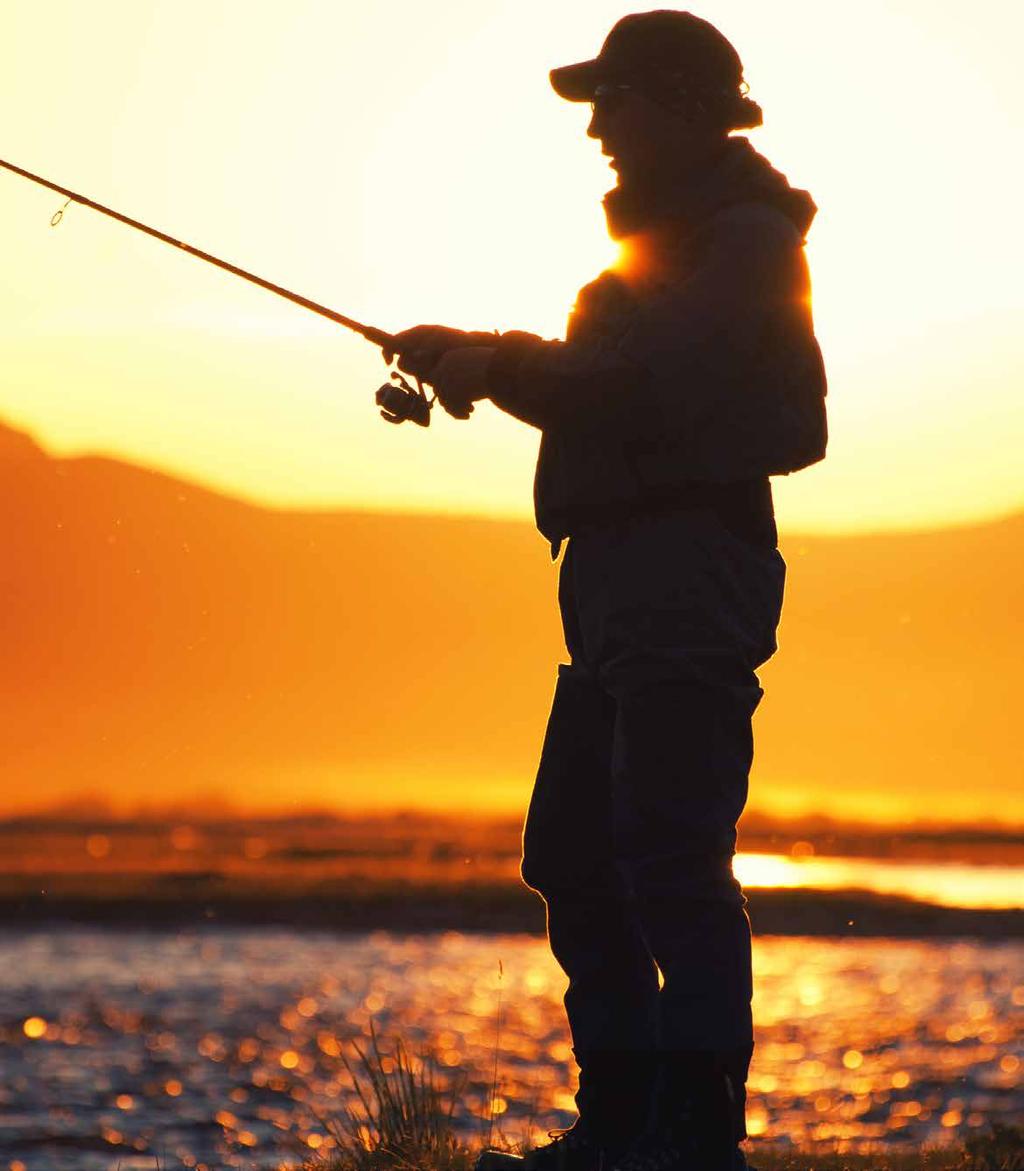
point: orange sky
(405, 162)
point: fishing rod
(398, 402)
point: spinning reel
(401, 402)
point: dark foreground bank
(178, 900)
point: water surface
(223, 1047)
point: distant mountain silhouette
(163, 643)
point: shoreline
(472, 908)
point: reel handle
(400, 403)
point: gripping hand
(460, 378)
(419, 349)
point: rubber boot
(616, 1096)
(615, 1100)
(694, 1125)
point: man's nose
(594, 129)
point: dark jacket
(693, 388)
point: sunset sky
(406, 162)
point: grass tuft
(1000, 1149)
(405, 1120)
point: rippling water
(223, 1047)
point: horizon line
(512, 516)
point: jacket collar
(688, 198)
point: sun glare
(947, 884)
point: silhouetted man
(688, 376)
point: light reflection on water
(223, 1046)
(948, 884)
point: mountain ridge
(161, 636)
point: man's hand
(460, 379)
(418, 348)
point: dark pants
(643, 775)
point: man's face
(630, 128)
(637, 133)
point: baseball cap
(664, 47)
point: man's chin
(629, 175)
(626, 183)
(622, 183)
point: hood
(738, 175)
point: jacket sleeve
(551, 384)
(701, 363)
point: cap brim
(576, 83)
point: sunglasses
(607, 98)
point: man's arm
(550, 384)
(693, 351)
